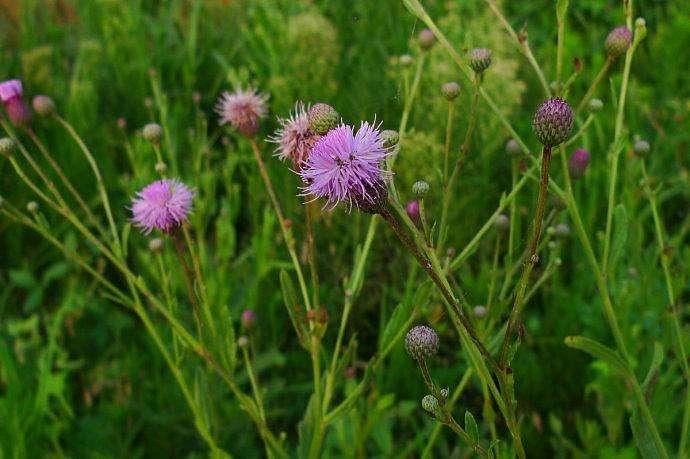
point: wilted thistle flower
(480, 59)
(345, 166)
(390, 138)
(322, 118)
(420, 188)
(248, 319)
(430, 405)
(513, 147)
(641, 147)
(7, 146)
(578, 163)
(595, 105)
(163, 204)
(153, 132)
(412, 209)
(294, 138)
(43, 105)
(553, 122)
(421, 342)
(426, 39)
(502, 222)
(450, 90)
(618, 41)
(242, 110)
(11, 92)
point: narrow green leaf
(471, 426)
(598, 350)
(644, 440)
(653, 371)
(292, 304)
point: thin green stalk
(561, 10)
(455, 427)
(200, 281)
(595, 84)
(446, 144)
(580, 132)
(254, 383)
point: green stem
(455, 427)
(595, 84)
(254, 383)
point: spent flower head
(242, 109)
(553, 122)
(164, 204)
(153, 132)
(345, 166)
(294, 137)
(421, 342)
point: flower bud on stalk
(43, 105)
(450, 90)
(595, 105)
(578, 163)
(322, 118)
(412, 209)
(420, 188)
(426, 39)
(248, 319)
(513, 147)
(480, 59)
(153, 132)
(421, 342)
(641, 147)
(618, 41)
(7, 146)
(18, 112)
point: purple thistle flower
(553, 122)
(345, 166)
(248, 319)
(294, 138)
(412, 209)
(578, 163)
(163, 204)
(421, 342)
(618, 41)
(11, 92)
(242, 110)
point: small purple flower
(553, 122)
(421, 342)
(345, 166)
(11, 92)
(248, 319)
(480, 59)
(578, 163)
(294, 138)
(412, 209)
(163, 204)
(242, 110)
(618, 41)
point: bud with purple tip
(11, 92)
(618, 41)
(480, 59)
(248, 319)
(450, 90)
(578, 163)
(322, 118)
(421, 342)
(426, 39)
(553, 122)
(43, 105)
(412, 209)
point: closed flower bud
(43, 105)
(450, 90)
(322, 118)
(480, 59)
(595, 105)
(161, 167)
(153, 132)
(248, 319)
(32, 207)
(513, 147)
(421, 342)
(11, 93)
(480, 311)
(641, 147)
(243, 341)
(390, 138)
(431, 406)
(412, 209)
(156, 245)
(553, 122)
(420, 188)
(7, 146)
(502, 222)
(618, 41)
(426, 39)
(405, 60)
(578, 163)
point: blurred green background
(79, 378)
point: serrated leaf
(598, 350)
(471, 426)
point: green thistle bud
(641, 147)
(420, 188)
(553, 122)
(430, 405)
(390, 138)
(43, 105)
(322, 118)
(595, 105)
(7, 146)
(450, 90)
(618, 41)
(153, 132)
(156, 245)
(32, 207)
(161, 167)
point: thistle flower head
(412, 209)
(420, 188)
(641, 147)
(322, 118)
(248, 319)
(11, 92)
(502, 222)
(421, 342)
(426, 39)
(43, 105)
(578, 163)
(242, 110)
(480, 59)
(553, 122)
(618, 41)
(153, 132)
(163, 204)
(513, 147)
(450, 90)
(345, 166)
(294, 138)
(7, 146)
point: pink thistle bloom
(163, 204)
(242, 110)
(294, 138)
(11, 92)
(346, 166)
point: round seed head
(153, 132)
(450, 90)
(412, 209)
(618, 41)
(480, 59)
(32, 207)
(7, 146)
(390, 138)
(420, 188)
(513, 147)
(322, 118)
(248, 319)
(421, 342)
(430, 405)
(578, 163)
(43, 105)
(553, 122)
(426, 39)
(502, 222)
(156, 244)
(641, 147)
(595, 105)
